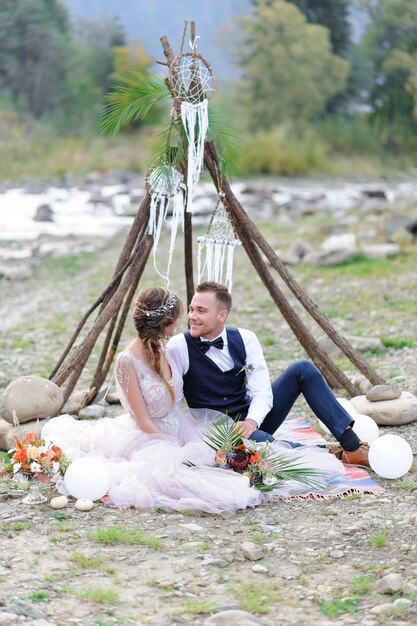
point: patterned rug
(356, 480)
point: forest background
(310, 90)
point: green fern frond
(225, 137)
(132, 99)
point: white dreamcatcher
(219, 244)
(165, 189)
(193, 84)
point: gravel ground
(320, 562)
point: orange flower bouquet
(35, 457)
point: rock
(402, 604)
(233, 618)
(381, 251)
(15, 272)
(402, 410)
(337, 554)
(76, 402)
(7, 619)
(9, 440)
(194, 527)
(44, 213)
(362, 384)
(259, 569)
(412, 229)
(251, 551)
(92, 412)
(300, 249)
(383, 392)
(59, 502)
(4, 434)
(32, 397)
(380, 609)
(332, 257)
(22, 607)
(375, 193)
(215, 562)
(112, 398)
(410, 588)
(365, 344)
(288, 259)
(83, 504)
(391, 583)
(340, 243)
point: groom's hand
(247, 427)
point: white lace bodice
(155, 393)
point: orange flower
(254, 458)
(20, 456)
(33, 453)
(19, 443)
(30, 437)
(58, 452)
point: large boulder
(402, 410)
(9, 432)
(31, 397)
(4, 435)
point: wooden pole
(103, 368)
(85, 348)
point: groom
(224, 369)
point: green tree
(290, 72)
(34, 45)
(91, 68)
(391, 45)
(334, 15)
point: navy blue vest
(206, 386)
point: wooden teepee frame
(114, 303)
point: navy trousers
(303, 377)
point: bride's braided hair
(155, 309)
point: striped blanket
(356, 480)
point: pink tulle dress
(151, 471)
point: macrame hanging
(165, 186)
(193, 84)
(219, 244)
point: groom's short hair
(222, 294)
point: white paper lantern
(348, 406)
(87, 477)
(390, 456)
(366, 428)
(324, 427)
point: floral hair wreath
(165, 307)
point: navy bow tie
(206, 345)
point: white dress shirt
(258, 385)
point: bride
(147, 447)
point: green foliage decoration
(135, 96)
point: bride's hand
(247, 427)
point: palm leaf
(223, 435)
(168, 147)
(284, 469)
(225, 137)
(132, 99)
